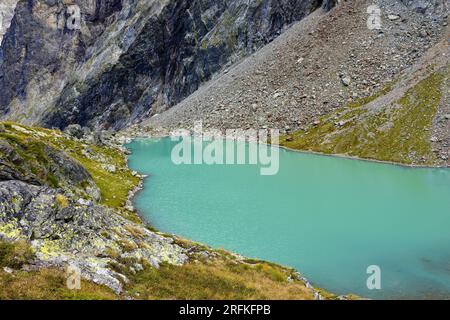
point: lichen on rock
(61, 229)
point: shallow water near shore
(328, 217)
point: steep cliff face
(127, 58)
(42, 47)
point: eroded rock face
(42, 47)
(128, 58)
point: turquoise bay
(328, 217)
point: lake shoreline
(317, 153)
(343, 156)
(140, 139)
(318, 292)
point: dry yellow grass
(48, 284)
(221, 280)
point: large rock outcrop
(89, 236)
(62, 217)
(26, 158)
(127, 58)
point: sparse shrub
(62, 201)
(127, 246)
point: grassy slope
(114, 187)
(222, 277)
(39, 284)
(48, 284)
(218, 280)
(398, 133)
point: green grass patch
(40, 284)
(14, 255)
(48, 284)
(398, 133)
(114, 187)
(217, 279)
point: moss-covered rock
(49, 198)
(26, 154)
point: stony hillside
(128, 58)
(315, 81)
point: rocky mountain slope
(316, 78)
(127, 58)
(65, 196)
(133, 60)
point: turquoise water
(328, 217)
